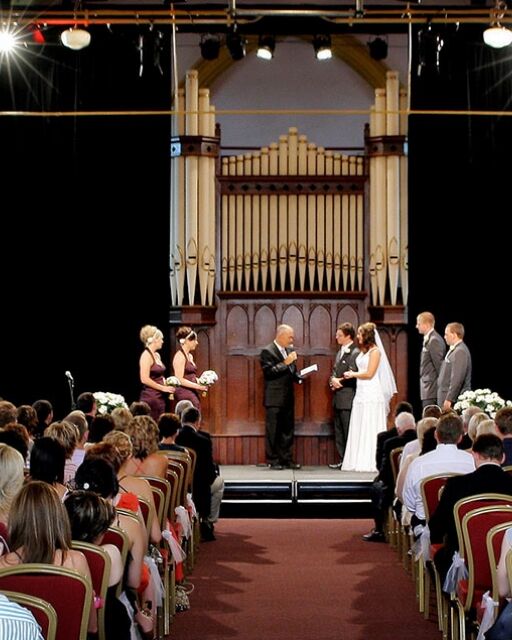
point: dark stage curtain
(85, 217)
(459, 201)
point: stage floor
(267, 490)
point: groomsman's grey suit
(455, 374)
(432, 354)
(343, 398)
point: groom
(344, 388)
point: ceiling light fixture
(266, 46)
(7, 41)
(322, 47)
(378, 49)
(236, 44)
(496, 35)
(75, 38)
(210, 46)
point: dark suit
(432, 354)
(488, 478)
(382, 438)
(204, 473)
(455, 374)
(279, 401)
(343, 398)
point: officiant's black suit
(279, 402)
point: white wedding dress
(367, 419)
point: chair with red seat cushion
(42, 610)
(476, 524)
(67, 590)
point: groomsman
(455, 374)
(432, 355)
(344, 388)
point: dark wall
(459, 204)
(84, 251)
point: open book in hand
(307, 370)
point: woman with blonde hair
(11, 481)
(152, 371)
(185, 369)
(144, 436)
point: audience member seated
(423, 444)
(143, 433)
(17, 621)
(86, 402)
(27, 416)
(502, 628)
(168, 426)
(79, 420)
(90, 516)
(67, 434)
(47, 461)
(7, 413)
(431, 411)
(487, 427)
(44, 411)
(121, 417)
(446, 458)
(474, 421)
(11, 480)
(39, 532)
(383, 487)
(503, 420)
(401, 407)
(16, 436)
(140, 408)
(208, 487)
(99, 427)
(488, 477)
(181, 406)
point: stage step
(308, 492)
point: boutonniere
(347, 351)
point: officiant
(344, 388)
(278, 362)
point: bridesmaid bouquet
(207, 378)
(106, 402)
(172, 381)
(487, 400)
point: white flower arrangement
(207, 378)
(487, 400)
(172, 381)
(106, 402)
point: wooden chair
(431, 488)
(393, 524)
(508, 468)
(42, 610)
(67, 590)
(161, 490)
(119, 538)
(476, 524)
(99, 565)
(494, 541)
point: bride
(375, 388)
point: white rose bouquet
(487, 400)
(172, 381)
(207, 378)
(106, 402)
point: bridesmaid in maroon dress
(152, 371)
(185, 369)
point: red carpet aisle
(300, 579)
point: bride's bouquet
(172, 381)
(207, 378)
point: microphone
(69, 376)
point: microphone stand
(71, 385)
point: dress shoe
(292, 465)
(374, 536)
(206, 530)
(337, 465)
(276, 466)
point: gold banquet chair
(42, 610)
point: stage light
(236, 44)
(496, 35)
(75, 38)
(322, 47)
(378, 49)
(210, 46)
(266, 46)
(7, 41)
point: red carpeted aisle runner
(300, 579)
